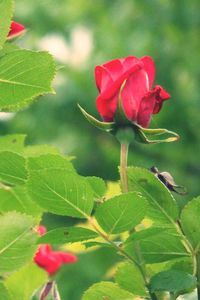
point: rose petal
(160, 95)
(134, 90)
(150, 68)
(16, 29)
(67, 258)
(103, 78)
(107, 107)
(114, 68)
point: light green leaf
(55, 186)
(4, 295)
(12, 142)
(173, 281)
(121, 213)
(17, 199)
(12, 168)
(24, 283)
(17, 241)
(162, 206)
(143, 134)
(98, 186)
(67, 235)
(38, 150)
(105, 126)
(129, 278)
(190, 222)
(50, 161)
(107, 291)
(24, 75)
(156, 245)
(6, 12)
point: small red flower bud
(48, 259)
(16, 29)
(130, 78)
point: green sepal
(106, 126)
(142, 135)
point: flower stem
(123, 167)
(198, 274)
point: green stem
(123, 167)
(198, 274)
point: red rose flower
(51, 260)
(134, 78)
(16, 29)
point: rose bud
(127, 100)
(132, 77)
(16, 29)
(48, 259)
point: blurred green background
(81, 34)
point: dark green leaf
(190, 222)
(173, 281)
(67, 235)
(162, 206)
(156, 245)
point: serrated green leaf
(24, 75)
(17, 241)
(162, 206)
(156, 245)
(107, 291)
(67, 235)
(190, 222)
(121, 213)
(12, 142)
(4, 294)
(6, 12)
(38, 150)
(105, 126)
(98, 186)
(50, 161)
(12, 168)
(173, 281)
(24, 283)
(129, 278)
(55, 186)
(17, 199)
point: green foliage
(173, 281)
(98, 186)
(156, 245)
(17, 241)
(12, 168)
(6, 12)
(24, 283)
(17, 199)
(107, 291)
(4, 292)
(67, 235)
(121, 213)
(58, 189)
(190, 221)
(24, 75)
(162, 206)
(12, 142)
(129, 278)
